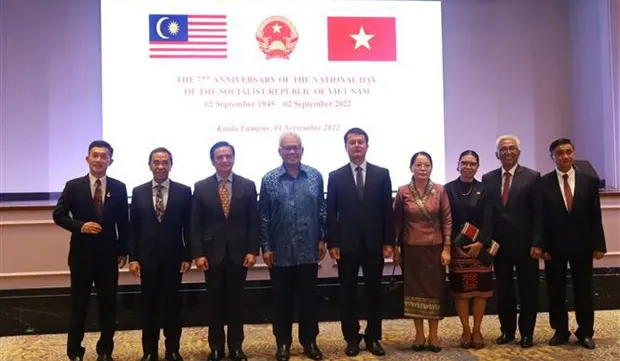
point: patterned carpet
(398, 336)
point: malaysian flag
(187, 36)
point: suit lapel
(476, 193)
(557, 192)
(109, 191)
(237, 193)
(515, 186)
(579, 190)
(87, 194)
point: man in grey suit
(514, 195)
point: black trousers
(348, 269)
(101, 268)
(290, 284)
(581, 275)
(527, 285)
(225, 290)
(160, 282)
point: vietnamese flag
(361, 39)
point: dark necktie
(359, 181)
(568, 194)
(225, 198)
(98, 199)
(506, 191)
(159, 202)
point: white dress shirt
(512, 176)
(571, 182)
(354, 166)
(165, 188)
(104, 183)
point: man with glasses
(293, 211)
(514, 195)
(224, 234)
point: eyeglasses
(468, 164)
(291, 148)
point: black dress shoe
(433, 348)
(173, 356)
(587, 342)
(527, 342)
(237, 354)
(150, 357)
(283, 353)
(505, 338)
(375, 348)
(353, 349)
(216, 355)
(104, 357)
(559, 338)
(76, 358)
(313, 352)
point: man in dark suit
(225, 230)
(573, 233)
(159, 253)
(94, 209)
(360, 232)
(514, 195)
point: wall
(511, 66)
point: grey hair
(289, 134)
(507, 137)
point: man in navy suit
(224, 231)
(514, 195)
(159, 252)
(573, 233)
(94, 209)
(360, 232)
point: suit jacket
(479, 213)
(212, 233)
(518, 225)
(75, 207)
(167, 241)
(351, 220)
(581, 230)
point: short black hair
(355, 131)
(160, 150)
(558, 142)
(469, 152)
(416, 155)
(101, 144)
(219, 145)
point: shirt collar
(571, 173)
(363, 166)
(92, 179)
(229, 178)
(511, 170)
(282, 170)
(165, 184)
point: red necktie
(98, 199)
(506, 191)
(568, 193)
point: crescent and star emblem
(158, 27)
